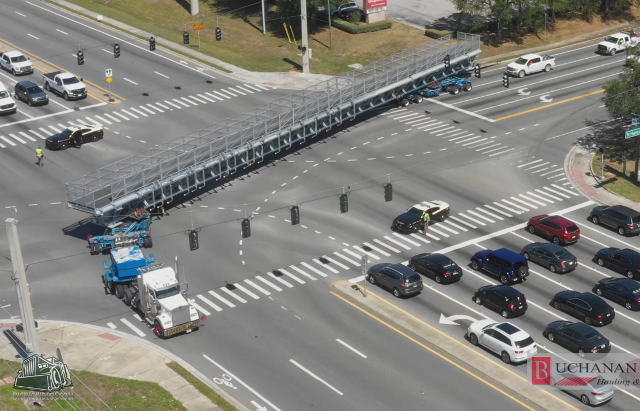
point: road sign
(632, 133)
(108, 72)
(197, 26)
(109, 79)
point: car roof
(440, 258)
(13, 53)
(581, 328)
(506, 290)
(529, 56)
(509, 255)
(625, 282)
(423, 205)
(629, 253)
(513, 331)
(27, 83)
(593, 300)
(560, 220)
(401, 269)
(624, 210)
(552, 247)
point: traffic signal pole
(305, 36)
(20, 277)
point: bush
(436, 34)
(355, 28)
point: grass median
(617, 179)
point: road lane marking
(351, 348)
(237, 297)
(246, 291)
(339, 264)
(327, 266)
(257, 287)
(347, 259)
(386, 237)
(282, 281)
(130, 81)
(470, 113)
(294, 362)
(312, 268)
(199, 308)
(566, 100)
(209, 303)
(132, 327)
(160, 74)
(269, 283)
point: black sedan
(550, 255)
(623, 261)
(401, 280)
(74, 136)
(436, 266)
(576, 337)
(624, 291)
(586, 306)
(503, 299)
(411, 220)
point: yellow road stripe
(531, 110)
(369, 293)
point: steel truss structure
(202, 158)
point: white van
(7, 105)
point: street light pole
(20, 277)
(305, 36)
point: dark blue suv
(506, 265)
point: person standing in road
(426, 219)
(39, 156)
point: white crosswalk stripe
(332, 261)
(27, 136)
(352, 253)
(454, 218)
(152, 107)
(516, 206)
(500, 147)
(555, 192)
(102, 119)
(537, 166)
(174, 105)
(202, 96)
(475, 220)
(418, 120)
(188, 100)
(228, 92)
(440, 128)
(363, 251)
(55, 129)
(540, 170)
(11, 143)
(141, 113)
(404, 238)
(220, 94)
(347, 259)
(110, 117)
(293, 277)
(397, 242)
(213, 96)
(402, 116)
(125, 118)
(454, 131)
(486, 147)
(420, 237)
(465, 136)
(236, 91)
(529, 163)
(267, 282)
(281, 280)
(159, 104)
(468, 140)
(482, 210)
(132, 327)
(254, 88)
(501, 152)
(209, 302)
(436, 228)
(246, 291)
(222, 299)
(45, 131)
(564, 189)
(257, 287)
(395, 250)
(129, 113)
(544, 193)
(427, 124)
(111, 325)
(539, 197)
(147, 110)
(244, 89)
(312, 268)
(327, 266)
(200, 308)
(232, 294)
(264, 88)
(2, 146)
(475, 214)
(448, 222)
(18, 139)
(182, 103)
(377, 250)
(516, 199)
(474, 141)
(62, 126)
(479, 144)
(199, 100)
(424, 123)
(497, 210)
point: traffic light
(505, 80)
(193, 240)
(152, 43)
(295, 215)
(80, 56)
(185, 37)
(476, 70)
(246, 228)
(218, 34)
(446, 62)
(344, 203)
(116, 50)
(388, 192)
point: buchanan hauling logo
(43, 374)
(585, 372)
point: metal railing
(219, 151)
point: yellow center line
(531, 110)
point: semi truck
(152, 289)
(133, 230)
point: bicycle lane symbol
(226, 380)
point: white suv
(505, 339)
(16, 62)
(7, 105)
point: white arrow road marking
(451, 320)
(523, 91)
(546, 99)
(258, 406)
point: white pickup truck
(617, 42)
(531, 63)
(16, 62)
(65, 84)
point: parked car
(586, 306)
(624, 291)
(502, 299)
(512, 344)
(623, 219)
(16, 62)
(624, 261)
(30, 93)
(556, 228)
(576, 337)
(592, 390)
(436, 266)
(7, 105)
(401, 280)
(506, 265)
(550, 255)
(411, 220)
(74, 136)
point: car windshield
(18, 59)
(524, 343)
(572, 229)
(636, 219)
(3, 94)
(32, 90)
(611, 39)
(563, 254)
(167, 292)
(66, 133)
(521, 61)
(415, 212)
(70, 80)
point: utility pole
(305, 36)
(329, 17)
(264, 19)
(195, 7)
(20, 277)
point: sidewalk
(116, 354)
(578, 168)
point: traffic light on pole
(344, 203)
(246, 228)
(152, 43)
(80, 56)
(447, 62)
(388, 192)
(185, 37)
(218, 34)
(505, 80)
(116, 50)
(193, 240)
(476, 70)
(295, 215)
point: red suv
(556, 228)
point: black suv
(624, 261)
(399, 279)
(624, 219)
(30, 93)
(502, 299)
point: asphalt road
(272, 326)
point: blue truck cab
(504, 264)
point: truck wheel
(13, 71)
(119, 291)
(475, 265)
(65, 96)
(158, 330)
(404, 102)
(504, 279)
(418, 99)
(147, 242)
(612, 52)
(467, 87)
(111, 287)
(46, 86)
(94, 249)
(521, 73)
(126, 298)
(454, 90)
(547, 68)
